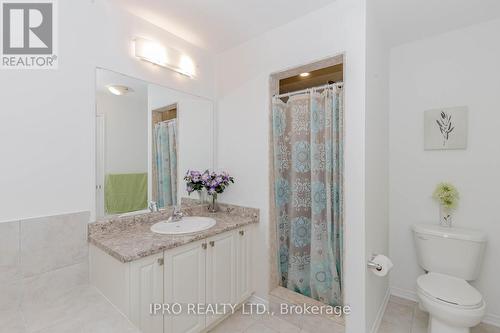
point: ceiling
(408, 20)
(105, 77)
(218, 25)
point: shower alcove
(318, 76)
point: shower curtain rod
(308, 90)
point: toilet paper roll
(383, 261)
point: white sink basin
(188, 224)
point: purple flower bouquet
(213, 182)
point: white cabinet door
(221, 272)
(146, 287)
(184, 283)
(243, 272)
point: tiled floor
(404, 316)
(83, 310)
(242, 323)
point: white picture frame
(446, 128)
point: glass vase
(212, 206)
(202, 197)
(445, 217)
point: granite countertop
(129, 238)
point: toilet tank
(453, 251)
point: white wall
(126, 131)
(243, 124)
(376, 161)
(453, 69)
(48, 117)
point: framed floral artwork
(445, 128)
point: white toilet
(451, 257)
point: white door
(184, 282)
(243, 282)
(146, 288)
(221, 272)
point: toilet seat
(449, 290)
(453, 304)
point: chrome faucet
(176, 214)
(153, 206)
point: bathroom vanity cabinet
(215, 270)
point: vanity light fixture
(160, 55)
(119, 90)
(306, 74)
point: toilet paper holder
(372, 264)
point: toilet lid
(449, 289)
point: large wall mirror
(147, 137)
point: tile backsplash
(9, 252)
(41, 257)
(49, 243)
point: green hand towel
(125, 192)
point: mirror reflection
(147, 136)
(164, 155)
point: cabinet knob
(212, 243)
(204, 246)
(242, 232)
(161, 261)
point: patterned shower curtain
(308, 175)
(165, 145)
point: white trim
(100, 168)
(381, 311)
(404, 293)
(489, 318)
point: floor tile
(319, 324)
(11, 295)
(290, 318)
(420, 321)
(65, 326)
(51, 297)
(391, 328)
(399, 315)
(397, 319)
(485, 328)
(236, 323)
(275, 309)
(40, 315)
(51, 286)
(260, 328)
(419, 326)
(11, 321)
(112, 324)
(83, 310)
(278, 324)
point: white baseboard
(489, 318)
(258, 300)
(381, 311)
(404, 293)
